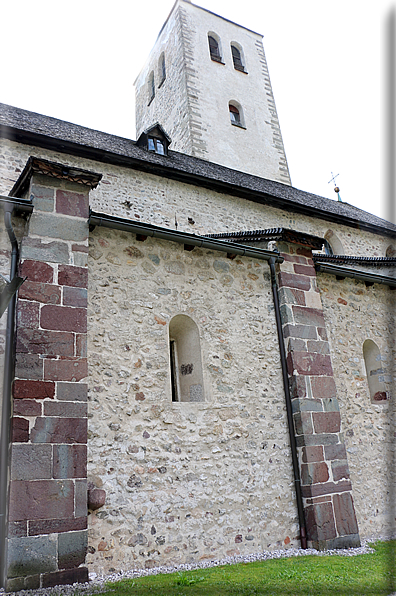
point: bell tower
(206, 82)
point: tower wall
(203, 88)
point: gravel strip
(97, 582)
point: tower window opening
(162, 69)
(236, 114)
(151, 88)
(237, 59)
(375, 372)
(185, 360)
(214, 49)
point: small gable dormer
(155, 139)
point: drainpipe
(293, 446)
(9, 362)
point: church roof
(64, 137)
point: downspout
(293, 446)
(9, 362)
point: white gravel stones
(97, 583)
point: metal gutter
(342, 272)
(145, 230)
(289, 411)
(20, 206)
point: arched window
(374, 371)
(237, 57)
(185, 360)
(236, 114)
(151, 87)
(214, 47)
(161, 69)
(335, 243)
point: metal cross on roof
(336, 188)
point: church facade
(203, 357)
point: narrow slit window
(374, 371)
(173, 368)
(151, 88)
(162, 69)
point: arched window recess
(238, 58)
(185, 360)
(236, 114)
(161, 70)
(375, 372)
(151, 87)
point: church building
(197, 358)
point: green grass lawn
(361, 575)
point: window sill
(238, 125)
(162, 82)
(218, 60)
(240, 70)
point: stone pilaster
(47, 537)
(326, 486)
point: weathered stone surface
(17, 529)
(71, 391)
(42, 197)
(31, 555)
(96, 498)
(27, 407)
(60, 227)
(312, 454)
(42, 499)
(69, 576)
(31, 462)
(49, 343)
(76, 277)
(23, 389)
(20, 430)
(51, 252)
(75, 297)
(323, 387)
(28, 314)
(326, 422)
(314, 473)
(65, 409)
(320, 522)
(29, 366)
(70, 461)
(72, 548)
(59, 430)
(72, 203)
(63, 318)
(74, 369)
(326, 488)
(80, 498)
(56, 526)
(44, 293)
(345, 514)
(292, 280)
(309, 364)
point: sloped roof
(64, 137)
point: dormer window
(155, 140)
(156, 145)
(214, 48)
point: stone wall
(184, 481)
(354, 313)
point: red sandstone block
(80, 248)
(320, 521)
(66, 370)
(49, 343)
(305, 363)
(326, 488)
(81, 345)
(323, 387)
(69, 576)
(33, 389)
(312, 453)
(64, 318)
(37, 271)
(26, 407)
(304, 270)
(291, 280)
(41, 499)
(306, 252)
(20, 430)
(28, 314)
(65, 409)
(326, 422)
(314, 473)
(59, 430)
(57, 526)
(72, 203)
(77, 277)
(345, 514)
(322, 333)
(294, 258)
(44, 293)
(304, 315)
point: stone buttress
(325, 482)
(47, 529)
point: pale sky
(77, 61)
